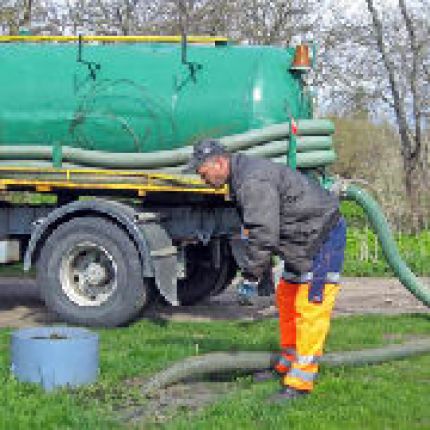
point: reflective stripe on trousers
(308, 276)
(304, 326)
(284, 361)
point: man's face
(215, 171)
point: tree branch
(398, 108)
(414, 89)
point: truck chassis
(115, 240)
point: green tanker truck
(105, 125)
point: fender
(163, 256)
(124, 215)
(133, 223)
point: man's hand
(247, 292)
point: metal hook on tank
(93, 67)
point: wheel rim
(88, 274)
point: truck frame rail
(52, 180)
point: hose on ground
(251, 361)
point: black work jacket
(285, 213)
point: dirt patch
(20, 304)
(357, 296)
(191, 397)
(377, 295)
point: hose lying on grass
(249, 361)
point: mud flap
(163, 257)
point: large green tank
(140, 97)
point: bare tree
(256, 21)
(11, 17)
(34, 16)
(407, 90)
(111, 17)
(378, 62)
(273, 22)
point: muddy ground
(20, 305)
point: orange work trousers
(303, 329)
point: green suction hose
(252, 361)
(389, 247)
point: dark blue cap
(202, 151)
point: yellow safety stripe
(122, 39)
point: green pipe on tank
(160, 159)
(310, 143)
(124, 160)
(304, 160)
(280, 147)
(389, 246)
(28, 152)
(306, 127)
(310, 159)
(43, 164)
(40, 164)
(128, 160)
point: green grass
(29, 198)
(16, 270)
(389, 396)
(364, 255)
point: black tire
(203, 279)
(127, 291)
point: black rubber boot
(264, 375)
(269, 374)
(287, 394)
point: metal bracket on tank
(193, 67)
(93, 67)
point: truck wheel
(89, 272)
(203, 278)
